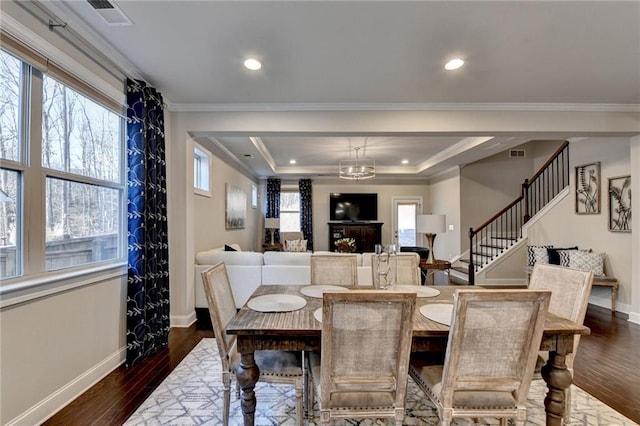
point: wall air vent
(517, 153)
(110, 12)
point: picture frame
(236, 207)
(254, 196)
(620, 204)
(587, 179)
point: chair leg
(299, 401)
(226, 380)
(567, 406)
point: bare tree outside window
(82, 163)
(289, 212)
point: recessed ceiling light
(454, 64)
(253, 64)
(405, 161)
(292, 161)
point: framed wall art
(620, 204)
(588, 189)
(236, 208)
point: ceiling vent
(110, 12)
(517, 153)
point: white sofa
(247, 270)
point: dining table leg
(558, 379)
(247, 376)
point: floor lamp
(431, 224)
(272, 223)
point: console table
(366, 234)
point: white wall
(562, 227)
(55, 347)
(445, 198)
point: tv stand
(366, 234)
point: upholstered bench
(600, 281)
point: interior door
(403, 221)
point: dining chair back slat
(334, 269)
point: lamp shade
(431, 223)
(272, 223)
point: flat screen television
(353, 207)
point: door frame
(395, 201)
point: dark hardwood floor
(607, 366)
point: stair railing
(506, 225)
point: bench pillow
(295, 245)
(555, 257)
(586, 261)
(537, 254)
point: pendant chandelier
(359, 168)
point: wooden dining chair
(570, 289)
(367, 379)
(334, 269)
(491, 353)
(275, 366)
(408, 269)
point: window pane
(78, 135)
(407, 225)
(290, 202)
(289, 222)
(10, 252)
(9, 106)
(82, 223)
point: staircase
(503, 230)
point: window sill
(21, 290)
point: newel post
(472, 266)
(525, 194)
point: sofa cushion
(287, 258)
(212, 257)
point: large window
(73, 169)
(289, 212)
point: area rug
(192, 395)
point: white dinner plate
(317, 314)
(277, 303)
(317, 290)
(422, 291)
(438, 312)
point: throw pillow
(554, 256)
(537, 254)
(586, 261)
(229, 248)
(295, 245)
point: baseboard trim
(634, 317)
(183, 321)
(65, 395)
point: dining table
(299, 330)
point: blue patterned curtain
(148, 278)
(272, 207)
(306, 211)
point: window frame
(290, 191)
(33, 279)
(202, 157)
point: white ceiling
(371, 53)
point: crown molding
(254, 107)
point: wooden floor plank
(607, 366)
